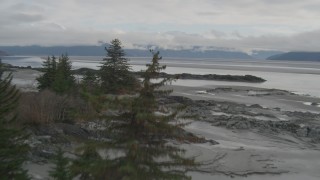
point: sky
(245, 25)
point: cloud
(208, 13)
(245, 25)
(24, 17)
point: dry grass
(48, 107)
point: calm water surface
(299, 77)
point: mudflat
(261, 133)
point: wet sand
(241, 94)
(250, 154)
(240, 154)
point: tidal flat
(265, 131)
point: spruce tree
(12, 150)
(45, 81)
(91, 165)
(64, 81)
(1, 68)
(144, 137)
(57, 76)
(89, 82)
(61, 170)
(115, 71)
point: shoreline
(253, 142)
(262, 133)
(184, 76)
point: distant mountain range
(264, 54)
(297, 56)
(99, 51)
(187, 53)
(2, 53)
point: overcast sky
(285, 25)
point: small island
(217, 77)
(213, 77)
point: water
(290, 176)
(299, 77)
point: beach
(262, 132)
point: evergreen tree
(64, 81)
(45, 81)
(115, 71)
(57, 76)
(12, 150)
(1, 68)
(61, 170)
(145, 134)
(144, 137)
(89, 78)
(90, 82)
(91, 165)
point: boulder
(314, 132)
(303, 132)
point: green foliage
(89, 78)
(92, 166)
(61, 170)
(57, 75)
(149, 155)
(143, 137)
(90, 83)
(115, 71)
(12, 150)
(1, 68)
(64, 80)
(49, 68)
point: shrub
(48, 107)
(42, 108)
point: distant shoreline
(213, 77)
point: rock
(258, 93)
(177, 99)
(234, 78)
(256, 106)
(240, 116)
(303, 132)
(32, 142)
(314, 132)
(73, 130)
(44, 151)
(212, 142)
(216, 123)
(224, 107)
(237, 109)
(239, 149)
(231, 124)
(277, 109)
(44, 139)
(238, 123)
(242, 125)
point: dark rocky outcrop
(243, 117)
(214, 77)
